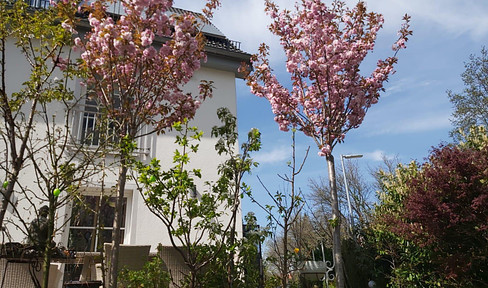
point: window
(87, 231)
(94, 130)
(39, 3)
(91, 128)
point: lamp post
(347, 188)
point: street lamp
(347, 188)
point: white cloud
(246, 21)
(276, 155)
(378, 155)
(242, 21)
(454, 16)
(413, 124)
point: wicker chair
(131, 257)
(175, 263)
(24, 273)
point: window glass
(87, 231)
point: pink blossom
(67, 26)
(324, 151)
(147, 37)
(122, 60)
(78, 42)
(325, 46)
(400, 44)
(93, 21)
(62, 63)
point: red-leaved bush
(447, 211)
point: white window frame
(82, 114)
(96, 191)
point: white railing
(89, 128)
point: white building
(140, 226)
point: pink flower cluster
(325, 46)
(123, 60)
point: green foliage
(231, 188)
(333, 222)
(45, 44)
(165, 189)
(477, 138)
(127, 146)
(430, 224)
(470, 106)
(272, 281)
(154, 274)
(394, 189)
(407, 264)
(233, 169)
(249, 252)
(282, 215)
(170, 196)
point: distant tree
(284, 216)
(358, 253)
(471, 105)
(324, 46)
(476, 139)
(361, 192)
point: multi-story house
(80, 231)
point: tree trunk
(336, 225)
(112, 276)
(47, 248)
(284, 269)
(230, 267)
(232, 237)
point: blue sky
(412, 114)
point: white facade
(141, 226)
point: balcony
(39, 4)
(90, 129)
(223, 43)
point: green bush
(153, 275)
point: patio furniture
(131, 257)
(19, 273)
(175, 263)
(26, 273)
(21, 266)
(83, 284)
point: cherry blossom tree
(136, 64)
(325, 46)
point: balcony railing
(223, 43)
(39, 4)
(115, 9)
(91, 129)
